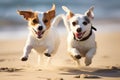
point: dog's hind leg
(48, 52)
(40, 59)
(48, 61)
(78, 63)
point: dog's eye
(85, 23)
(74, 23)
(35, 21)
(45, 21)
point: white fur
(47, 44)
(85, 48)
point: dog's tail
(58, 19)
(65, 9)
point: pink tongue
(78, 35)
(39, 33)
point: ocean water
(11, 23)
(103, 8)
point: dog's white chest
(39, 47)
(82, 46)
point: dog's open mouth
(79, 35)
(39, 33)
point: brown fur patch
(32, 17)
(48, 16)
(34, 20)
(26, 14)
(70, 15)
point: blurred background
(107, 14)
(13, 34)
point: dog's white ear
(68, 11)
(90, 13)
(26, 14)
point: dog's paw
(77, 56)
(88, 62)
(24, 59)
(47, 54)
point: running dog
(43, 37)
(81, 38)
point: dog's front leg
(74, 52)
(89, 56)
(48, 51)
(27, 50)
(75, 55)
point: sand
(105, 65)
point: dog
(81, 38)
(43, 37)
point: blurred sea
(12, 23)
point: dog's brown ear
(26, 14)
(69, 14)
(90, 13)
(48, 16)
(51, 13)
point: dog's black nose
(79, 30)
(40, 27)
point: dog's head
(38, 22)
(79, 24)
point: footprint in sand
(87, 76)
(1, 60)
(6, 69)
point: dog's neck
(88, 36)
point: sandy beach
(105, 65)
(13, 34)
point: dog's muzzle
(79, 35)
(39, 33)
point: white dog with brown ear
(81, 38)
(43, 37)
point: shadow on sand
(99, 72)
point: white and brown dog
(43, 37)
(81, 38)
